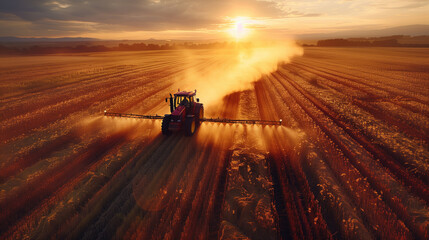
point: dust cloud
(236, 69)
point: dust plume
(236, 69)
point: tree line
(340, 42)
(36, 49)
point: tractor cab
(184, 101)
(182, 98)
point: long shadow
(16, 205)
(150, 188)
(163, 163)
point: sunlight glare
(239, 30)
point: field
(351, 160)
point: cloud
(134, 15)
(104, 17)
(398, 4)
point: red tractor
(186, 114)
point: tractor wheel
(165, 124)
(199, 114)
(190, 126)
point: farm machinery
(187, 113)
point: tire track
(346, 173)
(290, 182)
(387, 147)
(205, 191)
(418, 186)
(393, 202)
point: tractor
(186, 114)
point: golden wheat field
(350, 160)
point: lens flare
(239, 30)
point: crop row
(405, 150)
(299, 213)
(321, 130)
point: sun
(239, 29)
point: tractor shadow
(175, 167)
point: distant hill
(410, 30)
(29, 40)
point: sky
(202, 19)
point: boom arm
(218, 120)
(131, 115)
(242, 121)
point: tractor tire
(190, 126)
(165, 124)
(199, 114)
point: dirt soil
(349, 162)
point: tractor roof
(185, 94)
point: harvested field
(351, 160)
